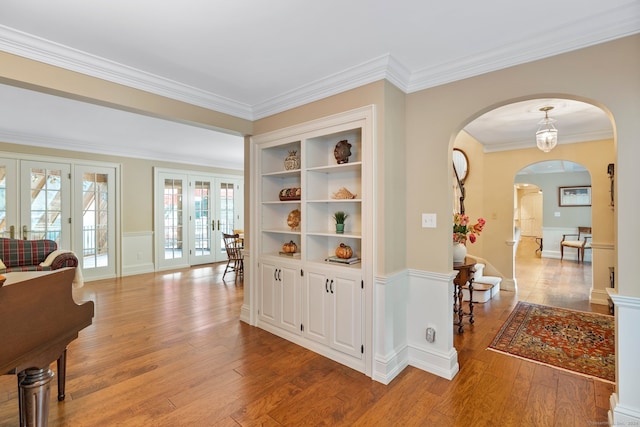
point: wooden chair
(582, 243)
(235, 260)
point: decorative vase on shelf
(339, 228)
(292, 161)
(342, 151)
(459, 252)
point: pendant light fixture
(547, 134)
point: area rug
(575, 341)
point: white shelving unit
(332, 301)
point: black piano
(38, 319)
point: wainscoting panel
(137, 253)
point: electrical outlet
(431, 335)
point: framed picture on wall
(574, 196)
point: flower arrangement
(463, 229)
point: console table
(465, 271)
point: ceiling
(252, 59)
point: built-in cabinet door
(333, 309)
(316, 303)
(289, 299)
(346, 315)
(280, 296)
(268, 293)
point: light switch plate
(428, 220)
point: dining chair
(235, 259)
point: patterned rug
(575, 341)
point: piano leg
(62, 374)
(34, 391)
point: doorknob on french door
(24, 232)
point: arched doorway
(496, 155)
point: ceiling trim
(39, 49)
(562, 139)
(602, 27)
(31, 139)
(376, 69)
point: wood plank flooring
(168, 349)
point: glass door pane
(46, 210)
(173, 225)
(8, 199)
(95, 231)
(201, 220)
(227, 213)
(95, 213)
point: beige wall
(22, 72)
(605, 75)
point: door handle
(326, 285)
(218, 225)
(24, 232)
(213, 225)
(275, 274)
(279, 275)
(12, 231)
(331, 286)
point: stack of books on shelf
(352, 260)
(291, 254)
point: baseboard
(131, 270)
(437, 363)
(599, 296)
(620, 415)
(386, 368)
(509, 285)
(245, 314)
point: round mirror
(460, 164)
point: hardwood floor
(167, 349)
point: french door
(95, 220)
(44, 200)
(35, 201)
(192, 213)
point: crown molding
(36, 140)
(380, 68)
(598, 28)
(48, 52)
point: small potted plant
(339, 217)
